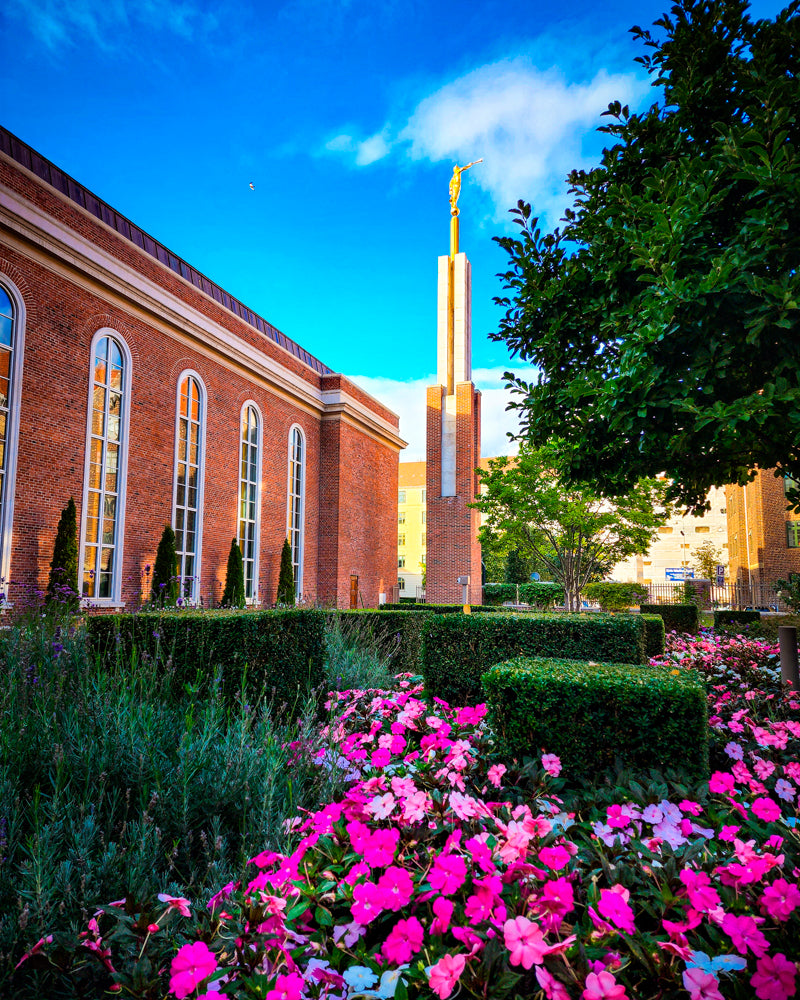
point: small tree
(62, 585)
(789, 591)
(286, 576)
(233, 594)
(706, 559)
(164, 590)
(516, 567)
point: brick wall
(758, 511)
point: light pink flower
(552, 764)
(774, 978)
(701, 985)
(176, 903)
(525, 941)
(448, 873)
(495, 775)
(404, 940)
(193, 963)
(445, 974)
(603, 986)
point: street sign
(681, 573)
(720, 575)
(535, 577)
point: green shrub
(233, 594)
(285, 593)
(62, 584)
(538, 594)
(613, 596)
(277, 654)
(677, 617)
(654, 635)
(164, 591)
(599, 717)
(457, 650)
(768, 627)
(394, 636)
(723, 618)
(439, 609)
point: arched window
(12, 327)
(296, 504)
(187, 517)
(250, 496)
(106, 468)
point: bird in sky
(252, 186)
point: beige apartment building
(411, 528)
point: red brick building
(133, 383)
(763, 535)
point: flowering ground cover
(441, 870)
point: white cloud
(57, 23)
(407, 399)
(528, 124)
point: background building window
(105, 480)
(296, 504)
(8, 395)
(793, 534)
(422, 514)
(424, 539)
(401, 517)
(187, 516)
(665, 530)
(249, 500)
(401, 583)
(401, 562)
(422, 495)
(401, 539)
(702, 529)
(401, 496)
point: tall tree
(62, 584)
(662, 316)
(516, 569)
(286, 576)
(233, 594)
(572, 530)
(706, 558)
(164, 589)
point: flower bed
(442, 871)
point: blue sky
(347, 117)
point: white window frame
(298, 566)
(115, 598)
(12, 430)
(194, 596)
(253, 598)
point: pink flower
(701, 985)
(702, 895)
(464, 806)
(380, 758)
(380, 847)
(404, 940)
(448, 873)
(766, 810)
(728, 833)
(287, 987)
(382, 806)
(443, 914)
(613, 905)
(552, 764)
(445, 974)
(603, 986)
(525, 941)
(176, 903)
(193, 963)
(744, 933)
(553, 989)
(774, 978)
(396, 888)
(555, 857)
(495, 775)
(368, 901)
(780, 899)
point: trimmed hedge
(677, 617)
(457, 650)
(723, 618)
(599, 717)
(654, 635)
(439, 609)
(276, 654)
(539, 594)
(397, 634)
(612, 596)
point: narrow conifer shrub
(62, 585)
(233, 594)
(164, 590)
(286, 576)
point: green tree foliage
(663, 315)
(233, 594)
(164, 589)
(706, 559)
(62, 584)
(286, 576)
(516, 569)
(571, 530)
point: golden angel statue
(455, 184)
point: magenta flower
(368, 901)
(780, 899)
(379, 848)
(613, 905)
(445, 974)
(448, 873)
(766, 810)
(555, 857)
(722, 783)
(525, 941)
(404, 940)
(744, 933)
(603, 986)
(774, 978)
(701, 985)
(287, 987)
(443, 914)
(193, 963)
(553, 989)
(396, 888)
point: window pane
(5, 364)
(116, 354)
(5, 302)
(108, 531)
(92, 527)
(116, 378)
(113, 428)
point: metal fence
(737, 596)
